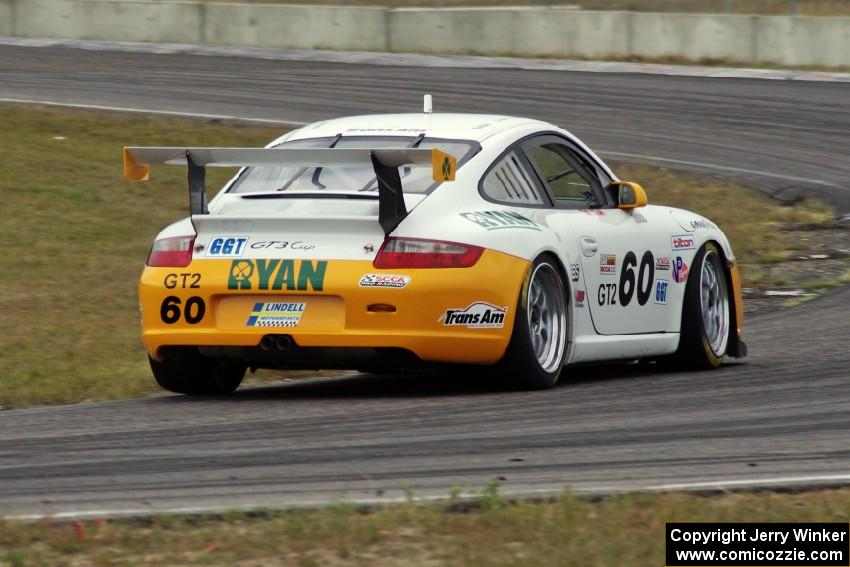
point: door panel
(628, 277)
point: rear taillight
(421, 253)
(174, 252)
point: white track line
(719, 167)
(152, 111)
(296, 124)
(813, 481)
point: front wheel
(536, 353)
(191, 373)
(705, 313)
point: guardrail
(519, 31)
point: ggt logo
(661, 292)
(226, 246)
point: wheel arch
(736, 347)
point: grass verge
(624, 530)
(79, 235)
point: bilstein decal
(496, 220)
(479, 315)
(292, 275)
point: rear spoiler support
(197, 187)
(385, 163)
(391, 208)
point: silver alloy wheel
(714, 300)
(547, 317)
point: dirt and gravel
(822, 261)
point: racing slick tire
(538, 345)
(193, 374)
(706, 312)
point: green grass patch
(79, 235)
(624, 530)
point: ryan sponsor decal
(384, 280)
(478, 315)
(290, 275)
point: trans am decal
(277, 314)
(479, 315)
(300, 275)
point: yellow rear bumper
(223, 303)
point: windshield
(347, 178)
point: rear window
(350, 178)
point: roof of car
(476, 127)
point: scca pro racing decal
(636, 280)
(384, 280)
(277, 314)
(479, 315)
(680, 270)
(496, 220)
(682, 242)
(226, 246)
(300, 275)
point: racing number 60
(643, 283)
(194, 311)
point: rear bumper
(221, 303)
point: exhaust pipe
(283, 342)
(267, 342)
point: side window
(509, 182)
(568, 179)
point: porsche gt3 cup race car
(393, 241)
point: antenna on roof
(427, 107)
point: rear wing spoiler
(384, 161)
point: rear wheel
(705, 313)
(191, 373)
(535, 355)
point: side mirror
(630, 195)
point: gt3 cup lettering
(193, 311)
(171, 281)
(281, 245)
(277, 274)
(226, 246)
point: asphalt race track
(782, 417)
(787, 138)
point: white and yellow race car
(394, 241)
